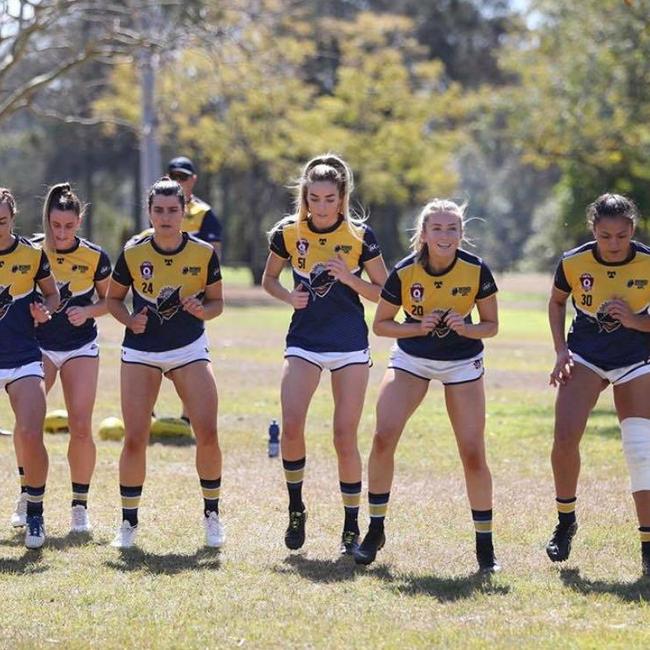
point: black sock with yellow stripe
(130, 502)
(211, 492)
(294, 473)
(35, 500)
(80, 494)
(482, 526)
(645, 545)
(351, 494)
(566, 510)
(377, 508)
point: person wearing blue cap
(199, 219)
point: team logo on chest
(441, 329)
(6, 300)
(65, 294)
(146, 270)
(587, 281)
(417, 292)
(320, 280)
(168, 303)
(303, 246)
(605, 322)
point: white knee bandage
(635, 433)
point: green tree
(582, 104)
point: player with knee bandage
(608, 280)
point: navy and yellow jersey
(75, 270)
(419, 291)
(592, 283)
(21, 266)
(333, 319)
(199, 220)
(158, 280)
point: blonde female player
(608, 280)
(69, 340)
(175, 280)
(22, 267)
(437, 286)
(327, 249)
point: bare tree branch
(23, 93)
(84, 121)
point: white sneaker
(19, 517)
(79, 520)
(35, 533)
(125, 536)
(215, 534)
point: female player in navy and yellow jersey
(22, 267)
(327, 250)
(437, 287)
(68, 341)
(175, 280)
(608, 280)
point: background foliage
(527, 110)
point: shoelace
(78, 517)
(294, 520)
(348, 537)
(213, 525)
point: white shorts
(458, 371)
(330, 360)
(170, 359)
(9, 375)
(58, 357)
(618, 375)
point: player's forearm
(556, 318)
(273, 287)
(392, 329)
(212, 308)
(117, 309)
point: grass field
(421, 592)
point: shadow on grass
(27, 564)
(448, 589)
(600, 423)
(135, 559)
(173, 441)
(443, 589)
(631, 592)
(314, 570)
(71, 540)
